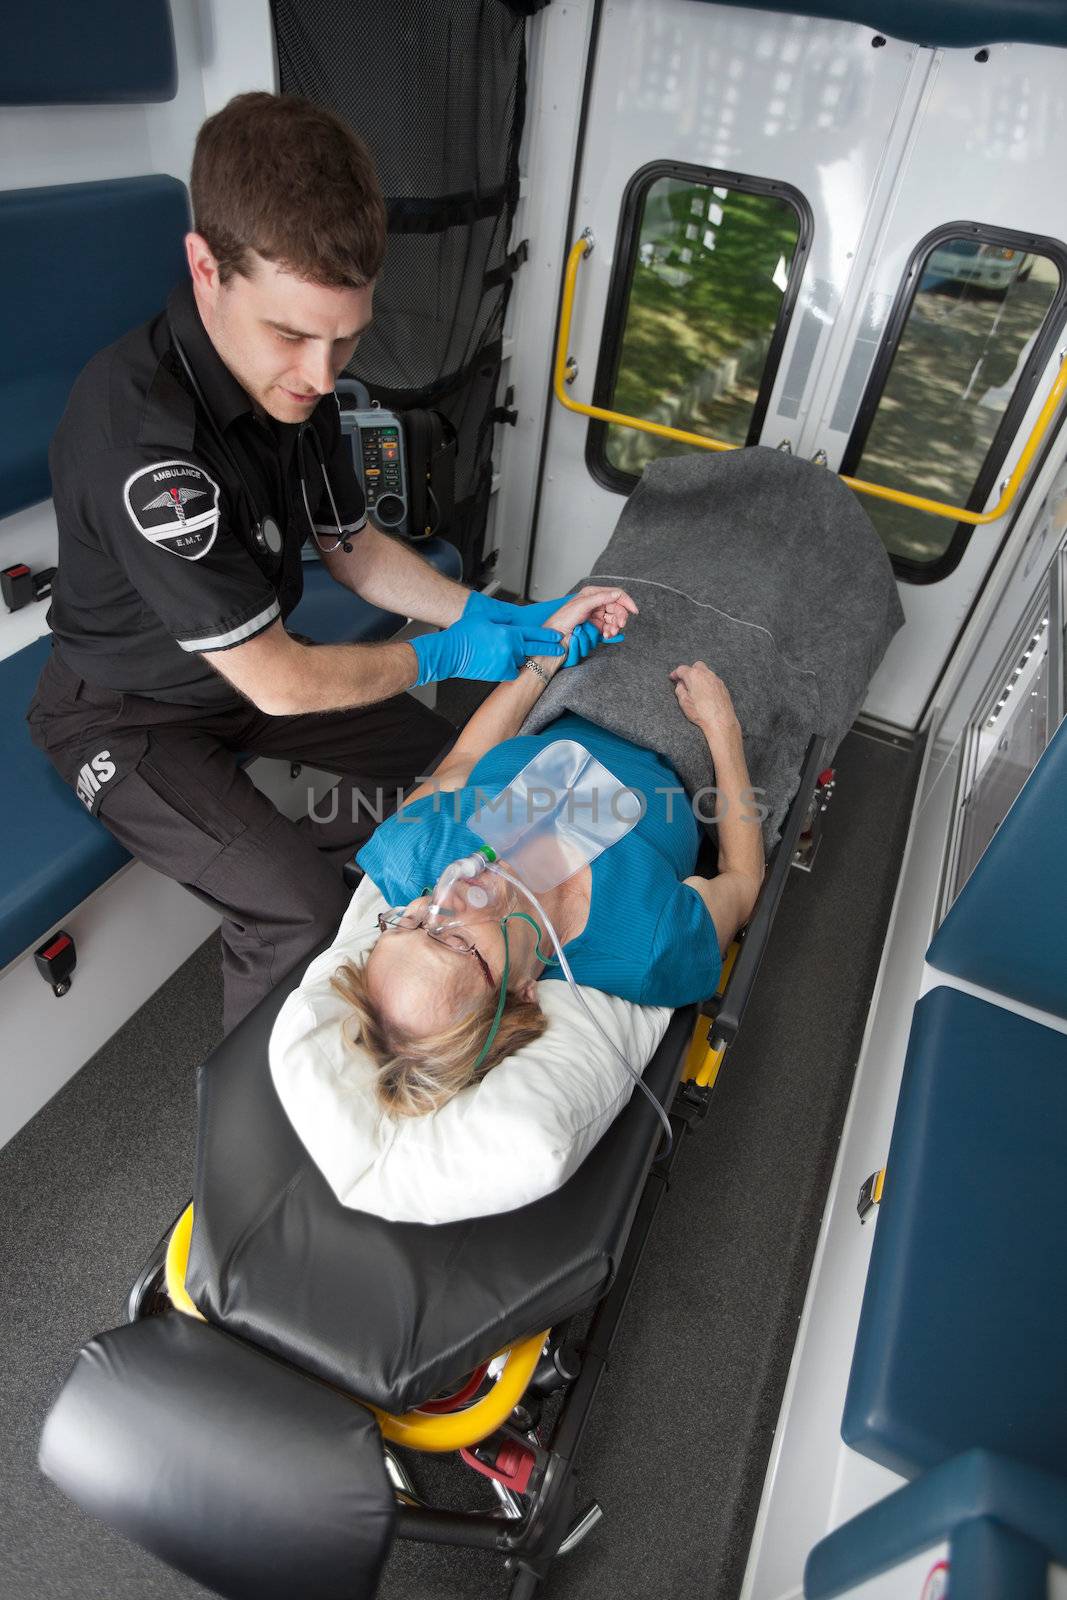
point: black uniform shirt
(158, 564)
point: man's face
(286, 341)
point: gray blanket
(767, 568)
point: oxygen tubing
(494, 866)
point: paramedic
(195, 457)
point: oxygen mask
(468, 892)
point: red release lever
(513, 1466)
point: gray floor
(677, 1448)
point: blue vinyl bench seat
(1004, 1524)
(1018, 888)
(126, 236)
(960, 1342)
(55, 853)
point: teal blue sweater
(649, 936)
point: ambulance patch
(176, 506)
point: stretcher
(252, 1423)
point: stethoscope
(266, 534)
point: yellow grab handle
(879, 491)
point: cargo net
(437, 91)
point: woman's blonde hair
(415, 1076)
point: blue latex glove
(532, 616)
(473, 648)
(584, 640)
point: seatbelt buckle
(16, 586)
(56, 960)
(43, 582)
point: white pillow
(517, 1135)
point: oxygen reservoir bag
(557, 815)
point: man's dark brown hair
(275, 174)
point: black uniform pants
(164, 780)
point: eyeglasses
(409, 921)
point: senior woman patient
(635, 921)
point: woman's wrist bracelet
(533, 666)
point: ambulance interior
(621, 231)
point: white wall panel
(558, 44)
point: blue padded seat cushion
(960, 1339)
(55, 853)
(81, 264)
(1007, 929)
(331, 614)
(1025, 1510)
(954, 24)
(92, 53)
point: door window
(951, 384)
(707, 270)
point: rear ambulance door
(807, 235)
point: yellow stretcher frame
(564, 371)
(435, 1434)
(702, 1063)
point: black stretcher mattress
(393, 1312)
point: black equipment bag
(430, 447)
(439, 95)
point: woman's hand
(607, 608)
(705, 700)
(595, 615)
